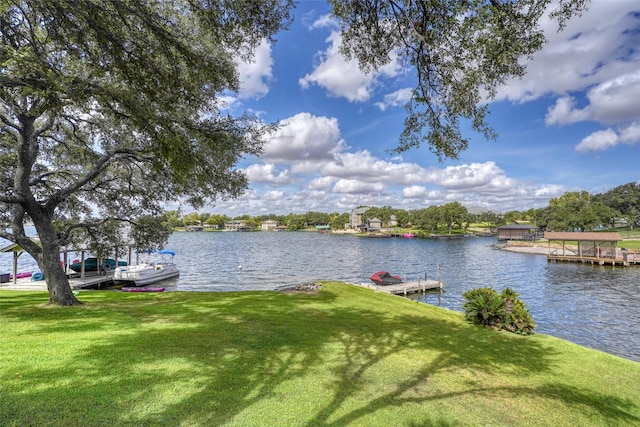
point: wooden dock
(76, 283)
(590, 260)
(404, 288)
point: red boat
(384, 278)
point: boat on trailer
(147, 273)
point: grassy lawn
(346, 356)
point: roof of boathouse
(582, 236)
(517, 227)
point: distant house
(517, 232)
(393, 221)
(269, 225)
(356, 217)
(375, 224)
(235, 225)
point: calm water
(595, 306)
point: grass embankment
(346, 356)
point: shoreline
(535, 248)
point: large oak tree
(108, 110)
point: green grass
(347, 356)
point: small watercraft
(148, 273)
(21, 275)
(384, 278)
(91, 264)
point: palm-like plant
(484, 306)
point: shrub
(484, 306)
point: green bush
(486, 307)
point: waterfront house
(356, 220)
(269, 225)
(235, 225)
(375, 224)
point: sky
(571, 124)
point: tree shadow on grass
(208, 359)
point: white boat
(147, 273)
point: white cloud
(467, 175)
(322, 183)
(598, 141)
(254, 75)
(597, 53)
(273, 195)
(563, 112)
(341, 78)
(395, 99)
(549, 190)
(631, 134)
(615, 101)
(594, 48)
(353, 186)
(304, 138)
(363, 166)
(612, 102)
(267, 173)
(476, 184)
(414, 192)
(324, 21)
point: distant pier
(624, 261)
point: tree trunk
(49, 261)
(57, 282)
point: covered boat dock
(587, 247)
(77, 280)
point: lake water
(595, 306)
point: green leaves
(461, 51)
(484, 306)
(575, 210)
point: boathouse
(517, 232)
(586, 247)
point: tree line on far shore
(574, 210)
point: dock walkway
(76, 283)
(591, 260)
(404, 288)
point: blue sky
(572, 123)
